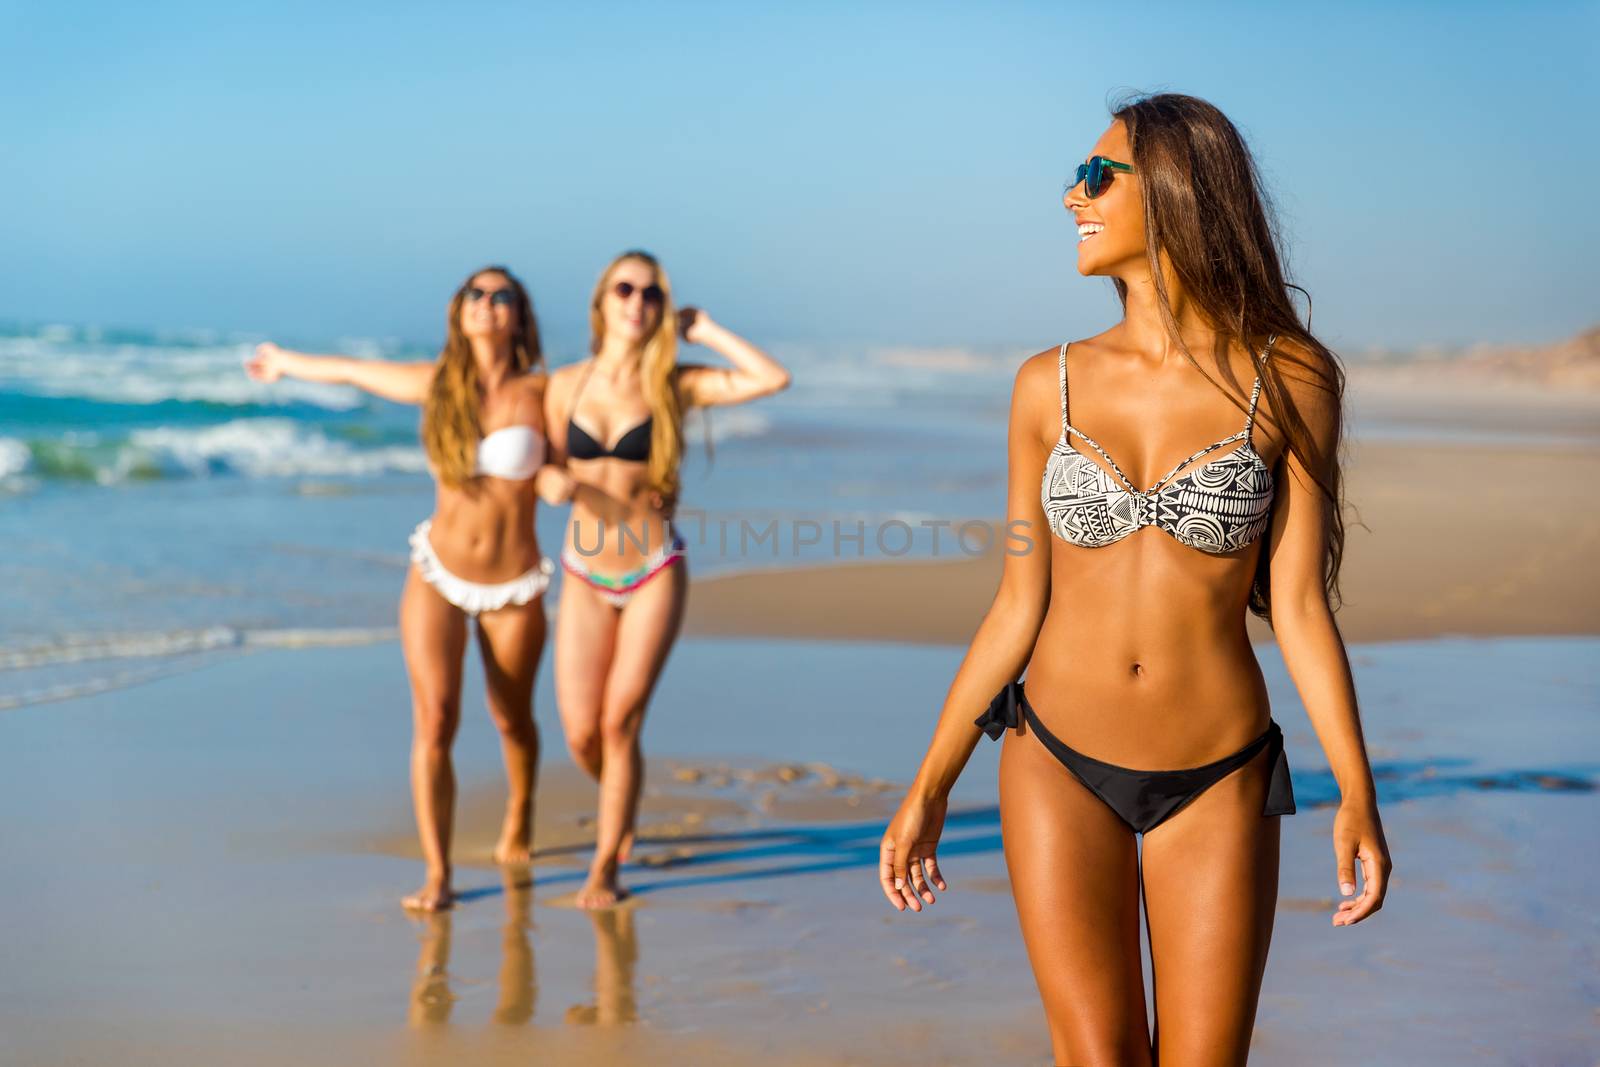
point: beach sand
(246, 910)
(1441, 539)
(206, 867)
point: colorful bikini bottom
(619, 589)
(475, 597)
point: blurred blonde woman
(618, 429)
(477, 557)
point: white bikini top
(1218, 507)
(512, 452)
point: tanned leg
(433, 637)
(645, 634)
(1211, 888)
(511, 641)
(1075, 876)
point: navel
(1137, 670)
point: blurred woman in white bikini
(477, 557)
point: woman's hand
(907, 868)
(267, 365)
(693, 323)
(1357, 834)
(664, 505)
(554, 485)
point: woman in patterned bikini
(627, 581)
(1134, 639)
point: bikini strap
(1061, 360)
(1068, 428)
(1255, 393)
(572, 407)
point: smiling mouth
(1087, 230)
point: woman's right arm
(554, 482)
(406, 383)
(999, 650)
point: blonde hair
(658, 373)
(450, 426)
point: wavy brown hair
(1207, 218)
(450, 425)
(658, 373)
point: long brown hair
(1206, 215)
(658, 373)
(450, 425)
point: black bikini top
(632, 447)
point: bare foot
(435, 895)
(514, 847)
(601, 890)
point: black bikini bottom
(1143, 799)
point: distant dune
(1570, 365)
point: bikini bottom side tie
(1143, 799)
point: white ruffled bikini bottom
(475, 597)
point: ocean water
(157, 505)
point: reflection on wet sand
(616, 950)
(431, 997)
(518, 988)
(785, 833)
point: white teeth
(1087, 230)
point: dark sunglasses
(1094, 176)
(651, 294)
(500, 298)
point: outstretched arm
(407, 383)
(999, 651)
(753, 374)
(1314, 652)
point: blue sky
(877, 173)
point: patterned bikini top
(1217, 507)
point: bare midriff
(1143, 659)
(484, 533)
(615, 525)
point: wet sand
(246, 911)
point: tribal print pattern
(1218, 507)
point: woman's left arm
(1314, 652)
(753, 374)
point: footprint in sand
(665, 859)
